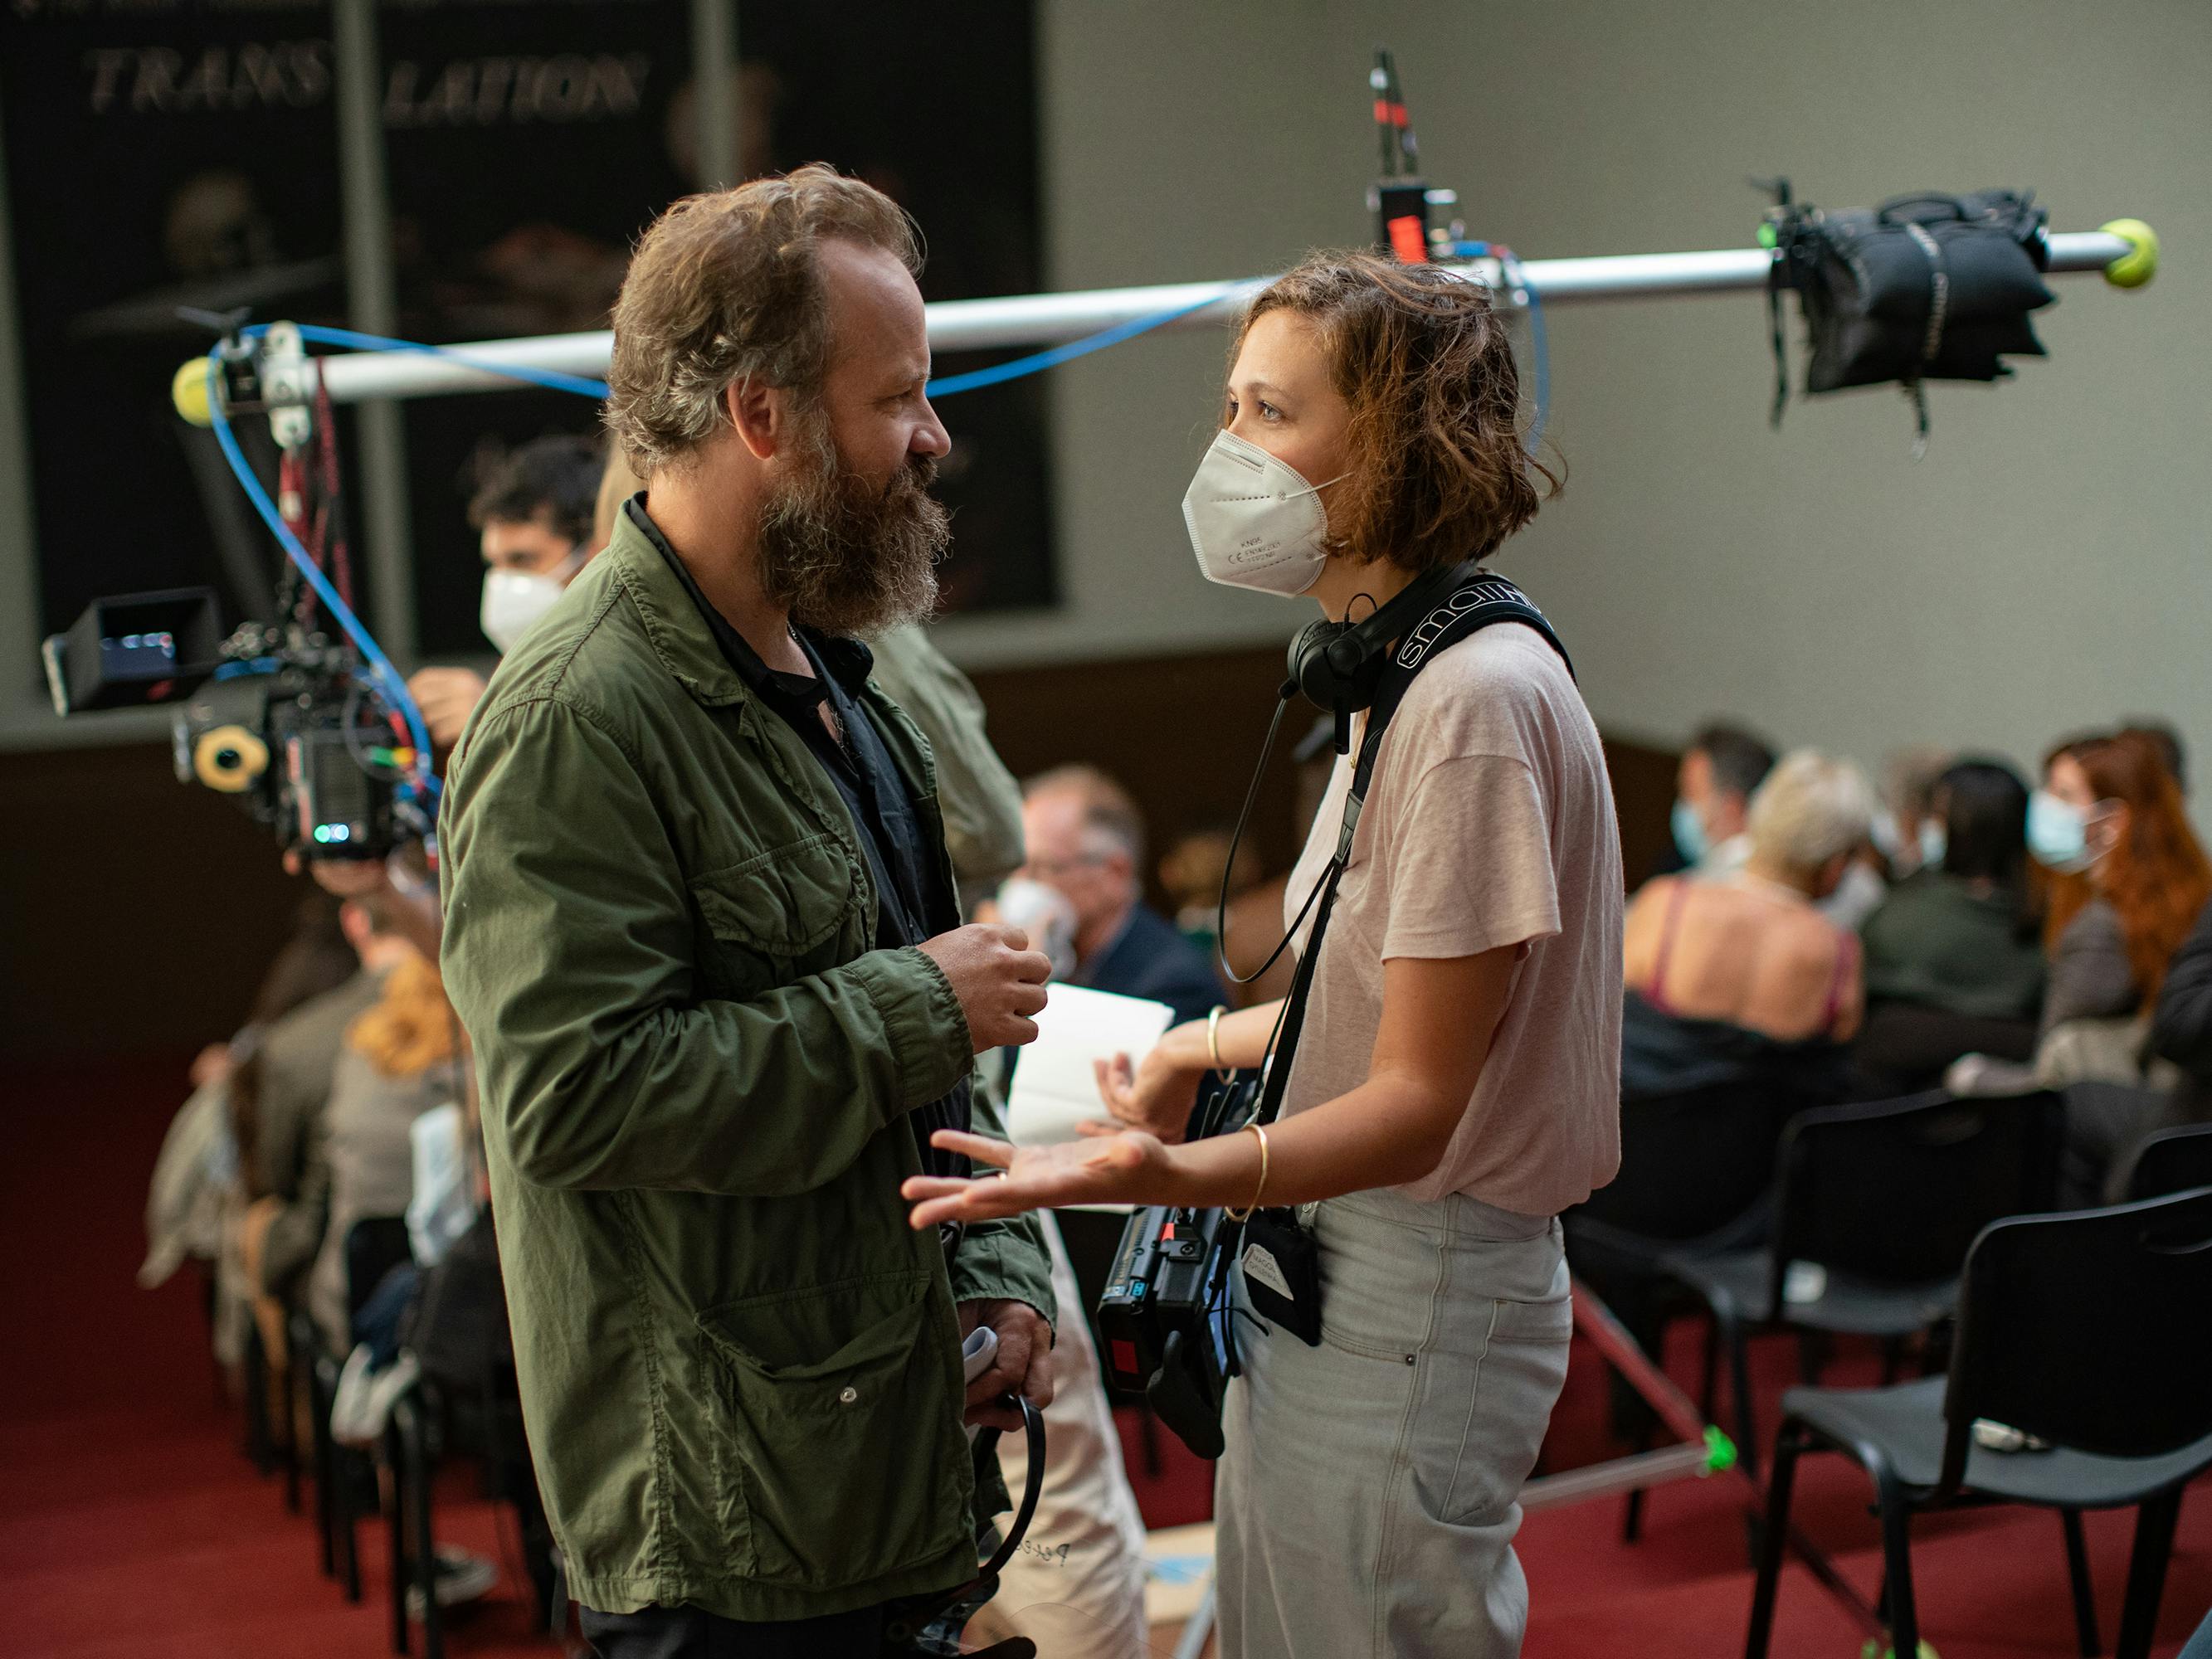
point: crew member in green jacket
(701, 928)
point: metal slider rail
(1031, 319)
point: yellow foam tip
(188, 390)
(2140, 263)
(229, 758)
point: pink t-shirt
(1489, 822)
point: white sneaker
(461, 1576)
(361, 1404)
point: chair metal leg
(258, 1444)
(345, 1510)
(2153, 1548)
(1787, 1445)
(1892, 1359)
(1739, 1358)
(1632, 1516)
(2085, 1593)
(1738, 1343)
(395, 1531)
(326, 1483)
(1813, 1349)
(407, 1417)
(287, 1442)
(1896, 1566)
(1709, 1393)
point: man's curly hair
(726, 287)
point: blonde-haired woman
(1742, 974)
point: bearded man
(701, 928)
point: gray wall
(2041, 569)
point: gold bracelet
(1213, 1035)
(1260, 1191)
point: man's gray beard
(848, 559)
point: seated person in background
(1953, 962)
(199, 1183)
(1908, 825)
(534, 513)
(1740, 978)
(400, 1059)
(2181, 1025)
(2110, 816)
(1720, 769)
(1085, 838)
(279, 1095)
(2113, 813)
(1958, 934)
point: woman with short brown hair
(1456, 1081)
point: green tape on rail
(1720, 1451)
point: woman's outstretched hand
(1107, 1166)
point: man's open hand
(999, 980)
(1024, 1365)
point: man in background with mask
(1720, 769)
(1086, 840)
(701, 925)
(533, 513)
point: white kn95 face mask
(513, 599)
(1254, 522)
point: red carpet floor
(132, 1526)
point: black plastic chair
(1904, 1048)
(2083, 1329)
(1696, 1168)
(411, 1461)
(1884, 1200)
(345, 1486)
(2175, 1160)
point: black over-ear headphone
(1338, 664)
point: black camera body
(1165, 1318)
(272, 716)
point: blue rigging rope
(386, 677)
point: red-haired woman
(2109, 823)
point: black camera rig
(305, 726)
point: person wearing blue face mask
(2128, 879)
(1720, 769)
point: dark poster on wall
(163, 153)
(160, 153)
(517, 192)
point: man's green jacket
(741, 1366)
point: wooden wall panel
(137, 913)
